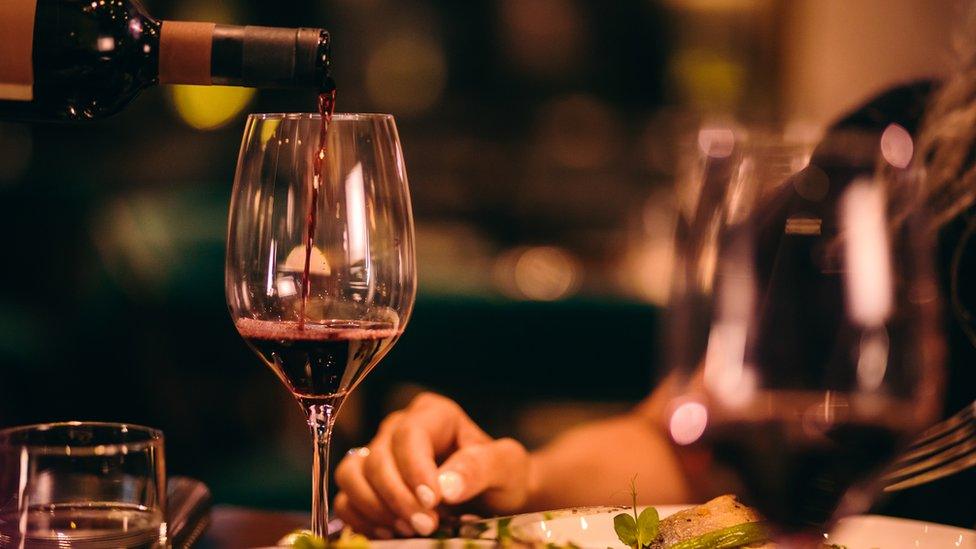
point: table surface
(240, 528)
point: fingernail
(451, 485)
(426, 496)
(404, 528)
(383, 533)
(422, 523)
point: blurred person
(431, 458)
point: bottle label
(17, 49)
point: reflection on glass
(804, 361)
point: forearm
(593, 465)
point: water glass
(82, 484)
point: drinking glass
(320, 274)
(78, 484)
(805, 331)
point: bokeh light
(406, 74)
(688, 422)
(872, 360)
(542, 37)
(716, 142)
(649, 260)
(812, 184)
(209, 107)
(710, 80)
(579, 131)
(897, 147)
(538, 273)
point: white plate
(592, 527)
(869, 531)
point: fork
(943, 449)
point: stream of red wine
(326, 104)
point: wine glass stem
(321, 418)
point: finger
(380, 471)
(385, 430)
(446, 422)
(432, 426)
(413, 452)
(350, 516)
(498, 470)
(350, 479)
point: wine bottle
(87, 59)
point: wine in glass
(320, 274)
(805, 323)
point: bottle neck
(261, 57)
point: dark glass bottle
(86, 59)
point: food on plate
(305, 539)
(720, 523)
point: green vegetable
(307, 541)
(304, 539)
(637, 531)
(733, 536)
(503, 532)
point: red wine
(794, 477)
(326, 105)
(82, 60)
(320, 361)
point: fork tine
(941, 450)
(934, 474)
(959, 434)
(960, 418)
(949, 456)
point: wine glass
(804, 324)
(320, 272)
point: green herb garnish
(503, 535)
(637, 531)
(733, 536)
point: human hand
(429, 456)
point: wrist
(534, 483)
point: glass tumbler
(82, 484)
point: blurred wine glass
(320, 274)
(804, 333)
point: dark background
(542, 139)
(112, 303)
